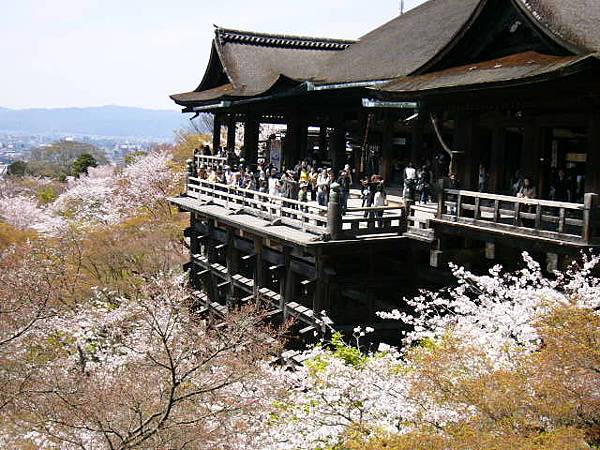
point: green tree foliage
(57, 160)
(82, 164)
(17, 168)
(130, 158)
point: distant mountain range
(108, 121)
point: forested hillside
(101, 346)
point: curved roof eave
(536, 21)
(453, 41)
(219, 49)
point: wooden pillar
(259, 273)
(497, 165)
(291, 147)
(233, 267)
(531, 152)
(195, 244)
(387, 145)
(287, 282)
(416, 148)
(231, 129)
(464, 164)
(251, 136)
(303, 138)
(195, 249)
(321, 296)
(337, 152)
(217, 122)
(323, 139)
(211, 256)
(592, 178)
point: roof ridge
(225, 35)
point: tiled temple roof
(251, 63)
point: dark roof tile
(522, 66)
(402, 45)
(574, 22)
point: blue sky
(57, 53)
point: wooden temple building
(503, 85)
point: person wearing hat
(303, 195)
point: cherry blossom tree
(142, 372)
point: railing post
(477, 211)
(590, 204)
(189, 173)
(517, 218)
(562, 215)
(408, 210)
(334, 213)
(538, 217)
(441, 198)
(496, 211)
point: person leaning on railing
(212, 176)
(202, 172)
(528, 190)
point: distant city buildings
(16, 146)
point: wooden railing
(301, 215)
(540, 218)
(375, 220)
(310, 217)
(210, 162)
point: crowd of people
(417, 183)
(305, 182)
(564, 187)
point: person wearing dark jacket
(344, 182)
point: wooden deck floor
(249, 222)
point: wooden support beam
(218, 121)
(590, 217)
(592, 179)
(337, 152)
(247, 299)
(416, 147)
(286, 281)
(308, 329)
(465, 165)
(497, 163)
(233, 260)
(387, 145)
(294, 144)
(211, 256)
(231, 132)
(490, 250)
(531, 152)
(273, 313)
(323, 139)
(259, 273)
(251, 136)
(322, 292)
